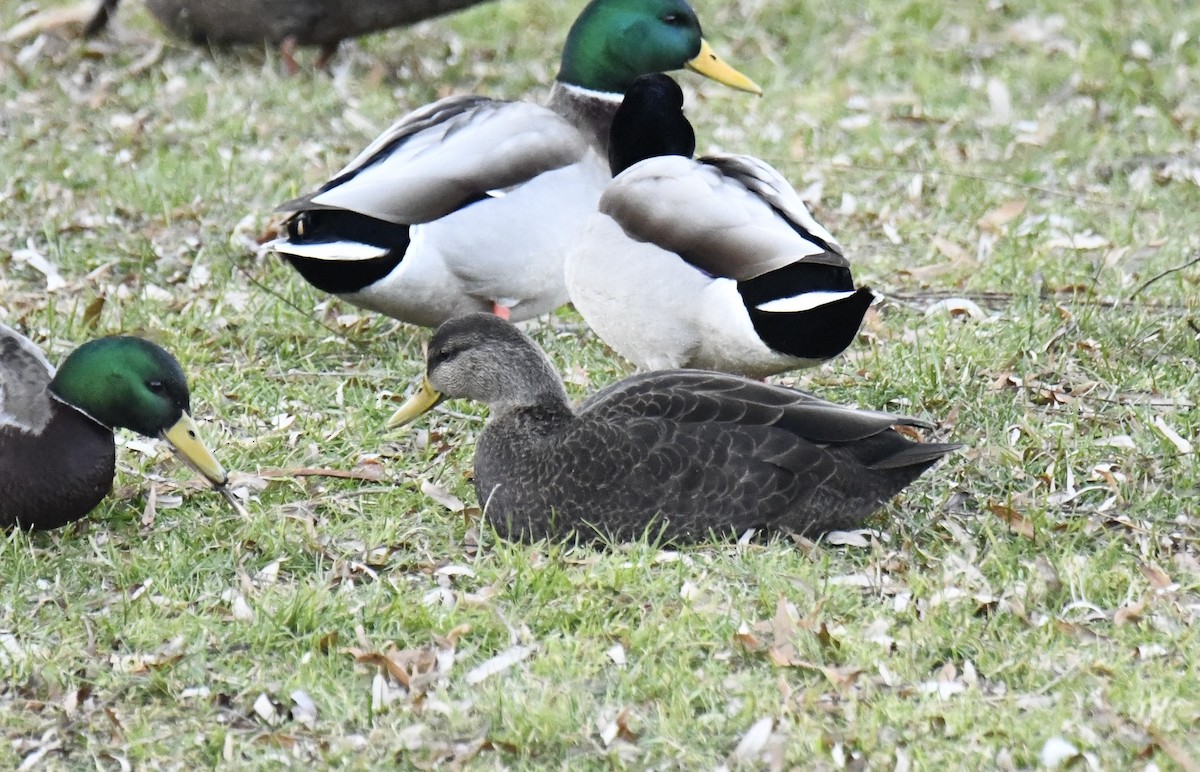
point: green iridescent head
(614, 41)
(134, 384)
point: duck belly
(509, 249)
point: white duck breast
(713, 263)
(461, 206)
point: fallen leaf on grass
(995, 220)
(365, 472)
(1174, 751)
(442, 496)
(957, 308)
(498, 664)
(1182, 445)
(617, 728)
(1158, 578)
(1130, 612)
(753, 741)
(1017, 523)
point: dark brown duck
(284, 23)
(677, 454)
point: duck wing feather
(25, 376)
(447, 154)
(729, 215)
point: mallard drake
(713, 263)
(284, 23)
(470, 204)
(679, 454)
(57, 454)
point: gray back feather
(25, 376)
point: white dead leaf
(241, 609)
(1140, 49)
(195, 692)
(857, 538)
(157, 294)
(1182, 445)
(995, 220)
(264, 706)
(412, 737)
(943, 689)
(442, 496)
(498, 664)
(1056, 751)
(452, 570)
(617, 654)
(1151, 650)
(957, 308)
(850, 580)
(753, 741)
(304, 710)
(1000, 102)
(40, 263)
(1078, 241)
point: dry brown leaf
(1017, 523)
(1130, 612)
(1177, 753)
(1157, 577)
(995, 220)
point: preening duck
(677, 454)
(57, 454)
(470, 204)
(711, 263)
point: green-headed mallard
(713, 263)
(676, 453)
(470, 204)
(57, 454)
(285, 23)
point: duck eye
(674, 19)
(155, 386)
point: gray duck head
(486, 359)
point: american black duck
(679, 454)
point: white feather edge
(806, 301)
(333, 251)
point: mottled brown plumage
(286, 23)
(680, 454)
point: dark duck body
(57, 451)
(285, 23)
(681, 455)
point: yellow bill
(426, 399)
(185, 438)
(708, 64)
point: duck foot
(501, 311)
(325, 55)
(287, 50)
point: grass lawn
(1018, 184)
